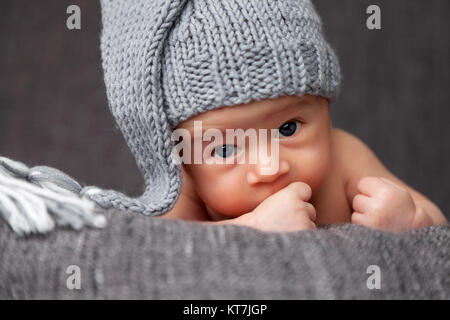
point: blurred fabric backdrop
(395, 94)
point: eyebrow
(300, 103)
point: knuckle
(313, 212)
(354, 218)
(312, 225)
(357, 205)
(356, 199)
(300, 206)
(307, 210)
(387, 194)
(358, 218)
(377, 207)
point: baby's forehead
(230, 116)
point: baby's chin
(230, 209)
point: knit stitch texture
(135, 257)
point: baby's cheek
(314, 167)
(228, 196)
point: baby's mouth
(275, 186)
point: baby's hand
(285, 211)
(382, 204)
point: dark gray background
(395, 93)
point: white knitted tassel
(38, 208)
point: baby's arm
(378, 198)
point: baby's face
(304, 143)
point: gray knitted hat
(166, 61)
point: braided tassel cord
(37, 200)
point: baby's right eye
(225, 151)
(290, 128)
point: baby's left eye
(289, 128)
(225, 151)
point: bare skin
(325, 176)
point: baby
(325, 176)
(259, 65)
(183, 72)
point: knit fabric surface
(151, 258)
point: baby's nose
(262, 174)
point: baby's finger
(311, 211)
(361, 203)
(306, 223)
(368, 220)
(302, 189)
(370, 186)
(358, 218)
(392, 183)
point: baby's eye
(225, 151)
(289, 128)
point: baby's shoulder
(350, 154)
(347, 145)
(354, 158)
(341, 145)
(343, 138)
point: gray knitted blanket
(152, 258)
